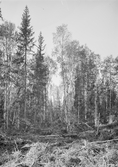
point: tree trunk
(18, 117)
(65, 105)
(5, 106)
(85, 100)
(25, 80)
(6, 89)
(96, 109)
(110, 107)
(78, 107)
(64, 87)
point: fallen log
(70, 136)
(108, 126)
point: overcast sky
(91, 22)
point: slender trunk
(96, 109)
(51, 111)
(5, 106)
(6, 89)
(37, 102)
(85, 89)
(106, 100)
(79, 91)
(64, 87)
(65, 105)
(18, 117)
(110, 107)
(45, 99)
(19, 107)
(85, 97)
(78, 108)
(25, 80)
(43, 104)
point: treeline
(28, 100)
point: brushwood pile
(88, 148)
(78, 153)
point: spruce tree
(40, 78)
(25, 44)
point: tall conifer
(40, 78)
(26, 42)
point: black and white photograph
(58, 83)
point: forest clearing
(65, 153)
(57, 109)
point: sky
(91, 22)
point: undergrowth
(79, 153)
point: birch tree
(61, 38)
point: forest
(83, 106)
